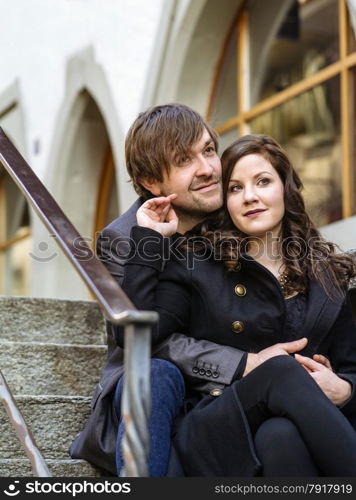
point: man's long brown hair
(158, 137)
(306, 254)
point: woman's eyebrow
(254, 177)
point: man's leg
(282, 451)
(167, 394)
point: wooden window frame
(341, 68)
(107, 177)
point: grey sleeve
(200, 360)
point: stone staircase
(51, 353)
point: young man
(169, 149)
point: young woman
(259, 277)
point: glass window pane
(225, 101)
(226, 139)
(15, 262)
(18, 266)
(15, 207)
(308, 127)
(352, 27)
(353, 135)
(306, 41)
(113, 205)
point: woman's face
(255, 197)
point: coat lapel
(321, 314)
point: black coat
(200, 297)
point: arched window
(288, 69)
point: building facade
(74, 74)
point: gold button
(240, 290)
(216, 392)
(238, 326)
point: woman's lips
(254, 213)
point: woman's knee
(282, 450)
(276, 430)
(283, 367)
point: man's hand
(158, 214)
(285, 348)
(335, 388)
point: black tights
(282, 450)
(280, 387)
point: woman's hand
(158, 214)
(283, 348)
(335, 388)
(323, 360)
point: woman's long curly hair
(306, 254)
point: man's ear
(152, 185)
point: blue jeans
(167, 394)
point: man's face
(195, 179)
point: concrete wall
(343, 233)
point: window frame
(342, 68)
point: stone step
(27, 319)
(53, 420)
(39, 368)
(21, 467)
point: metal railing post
(136, 398)
(24, 435)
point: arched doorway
(88, 181)
(84, 185)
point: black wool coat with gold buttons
(243, 309)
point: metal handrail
(114, 303)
